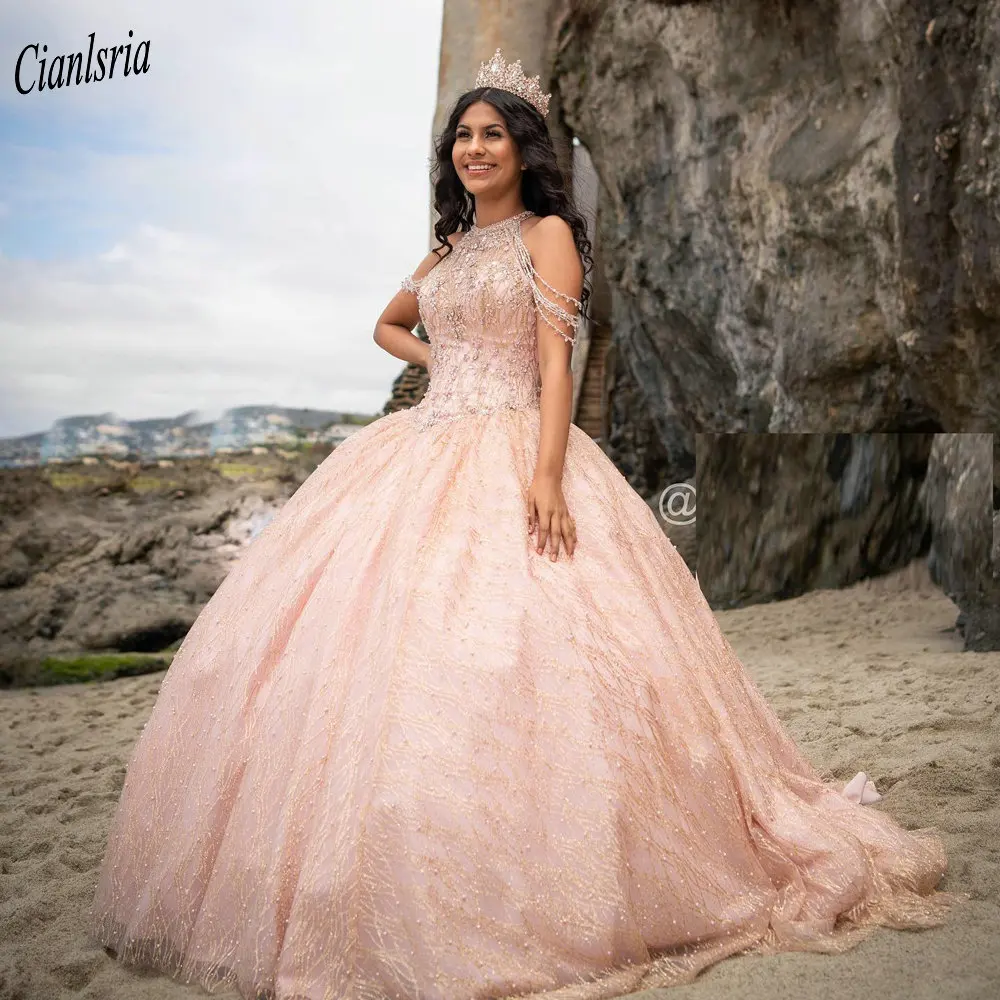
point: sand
(868, 678)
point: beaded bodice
(479, 307)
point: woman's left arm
(558, 274)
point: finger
(571, 538)
(556, 539)
(543, 533)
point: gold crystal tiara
(502, 75)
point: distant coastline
(106, 435)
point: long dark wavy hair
(543, 188)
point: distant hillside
(107, 435)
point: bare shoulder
(550, 234)
(550, 227)
(552, 246)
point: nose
(475, 145)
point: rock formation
(798, 210)
(782, 514)
(797, 219)
(958, 496)
(410, 384)
(123, 557)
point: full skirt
(400, 754)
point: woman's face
(482, 139)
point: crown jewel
(499, 73)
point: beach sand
(868, 678)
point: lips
(472, 168)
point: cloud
(224, 230)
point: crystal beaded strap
(546, 305)
(411, 284)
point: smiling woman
(68, 69)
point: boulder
(957, 495)
(781, 514)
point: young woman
(460, 723)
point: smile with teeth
(479, 168)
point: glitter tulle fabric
(402, 755)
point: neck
(491, 212)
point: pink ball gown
(400, 754)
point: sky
(223, 230)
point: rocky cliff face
(782, 514)
(798, 208)
(798, 214)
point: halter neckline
(502, 222)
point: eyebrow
(491, 125)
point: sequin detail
(480, 306)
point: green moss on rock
(84, 667)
